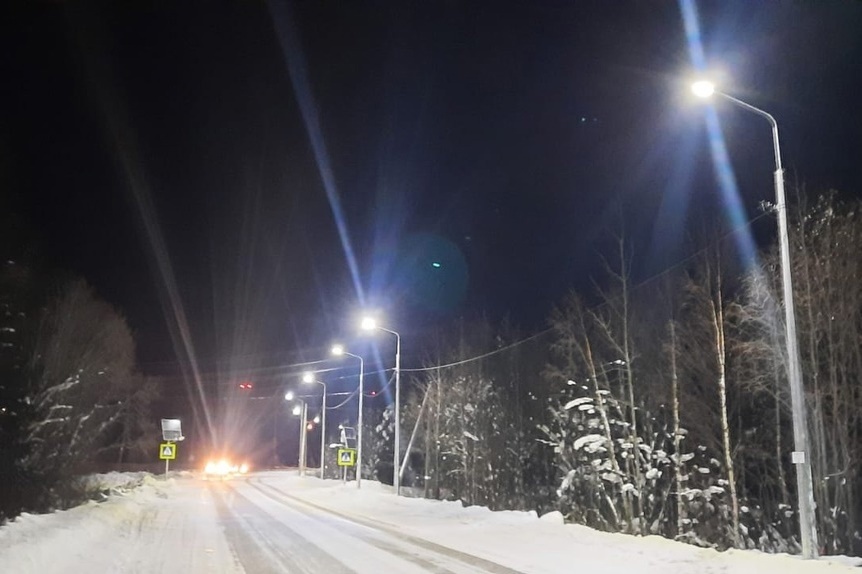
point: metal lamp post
(801, 458)
(309, 378)
(369, 324)
(300, 410)
(338, 350)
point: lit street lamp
(338, 350)
(308, 378)
(300, 410)
(801, 457)
(369, 324)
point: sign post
(167, 452)
(347, 434)
(172, 432)
(346, 457)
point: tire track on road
(425, 564)
(284, 549)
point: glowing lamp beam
(703, 89)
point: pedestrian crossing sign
(346, 456)
(167, 451)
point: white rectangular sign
(172, 430)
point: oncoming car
(223, 468)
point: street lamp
(338, 350)
(801, 458)
(308, 378)
(300, 410)
(703, 88)
(369, 324)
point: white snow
(554, 517)
(157, 526)
(590, 441)
(174, 526)
(578, 402)
(470, 436)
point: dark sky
(160, 150)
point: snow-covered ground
(146, 525)
(277, 521)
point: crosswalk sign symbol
(167, 451)
(346, 456)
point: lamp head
(337, 350)
(288, 396)
(703, 88)
(297, 410)
(368, 324)
(308, 377)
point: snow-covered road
(279, 522)
(273, 531)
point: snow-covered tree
(17, 308)
(80, 374)
(474, 449)
(378, 442)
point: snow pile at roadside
(64, 530)
(523, 541)
(115, 482)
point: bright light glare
(243, 468)
(308, 377)
(369, 324)
(703, 88)
(297, 410)
(316, 419)
(337, 350)
(288, 396)
(219, 468)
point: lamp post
(369, 324)
(309, 378)
(300, 410)
(801, 458)
(338, 351)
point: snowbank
(523, 541)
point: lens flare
(734, 210)
(294, 58)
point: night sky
(498, 140)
